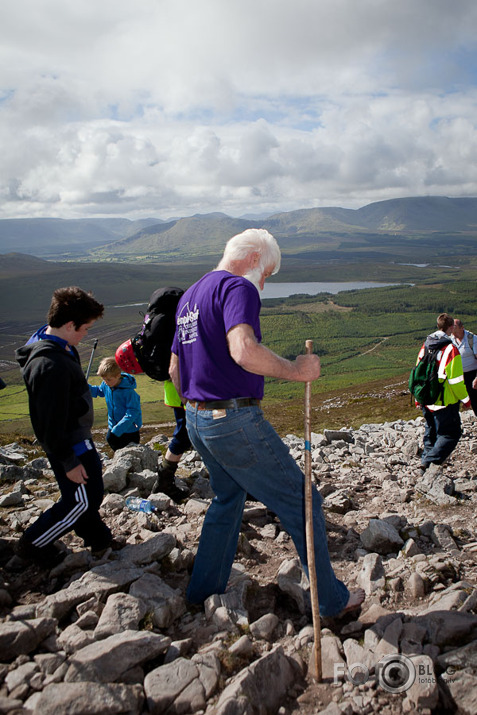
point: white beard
(254, 276)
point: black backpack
(152, 344)
(424, 384)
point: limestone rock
(107, 660)
(115, 477)
(265, 626)
(389, 643)
(463, 690)
(436, 487)
(122, 612)
(74, 638)
(292, 580)
(259, 688)
(153, 549)
(424, 691)
(182, 686)
(20, 637)
(381, 537)
(13, 498)
(339, 502)
(442, 536)
(448, 627)
(460, 658)
(21, 675)
(165, 603)
(233, 599)
(372, 577)
(100, 581)
(334, 435)
(90, 698)
(331, 655)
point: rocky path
(115, 635)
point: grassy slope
(367, 341)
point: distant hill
(19, 264)
(427, 213)
(199, 235)
(55, 236)
(330, 231)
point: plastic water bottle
(138, 504)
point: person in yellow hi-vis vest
(180, 443)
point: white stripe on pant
(68, 520)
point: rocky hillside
(115, 634)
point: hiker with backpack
(466, 343)
(149, 351)
(437, 383)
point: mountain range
(327, 230)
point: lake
(283, 290)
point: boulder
(107, 660)
(381, 537)
(89, 698)
(21, 637)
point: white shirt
(469, 361)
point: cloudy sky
(168, 108)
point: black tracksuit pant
(77, 508)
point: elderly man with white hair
(218, 366)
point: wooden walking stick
(310, 544)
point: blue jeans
(180, 441)
(243, 453)
(443, 431)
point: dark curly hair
(74, 304)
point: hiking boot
(165, 482)
(46, 557)
(113, 544)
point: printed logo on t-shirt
(187, 321)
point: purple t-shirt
(206, 312)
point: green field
(367, 339)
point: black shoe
(113, 544)
(46, 557)
(165, 484)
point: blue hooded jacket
(123, 403)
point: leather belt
(224, 404)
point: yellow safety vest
(171, 398)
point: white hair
(254, 239)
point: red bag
(126, 359)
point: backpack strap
(470, 340)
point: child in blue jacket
(123, 403)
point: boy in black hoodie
(61, 412)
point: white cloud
(171, 107)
